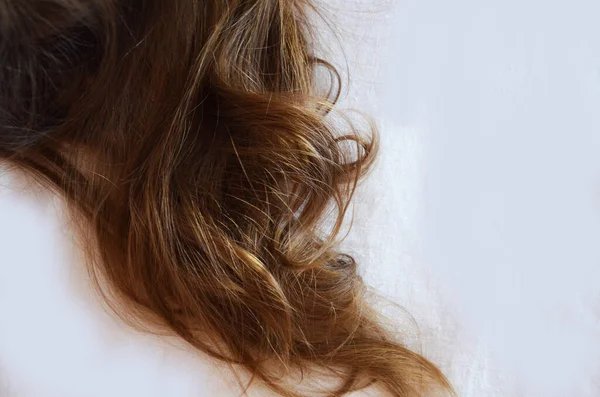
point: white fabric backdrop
(483, 214)
(481, 218)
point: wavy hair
(193, 140)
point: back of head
(191, 140)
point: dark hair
(192, 142)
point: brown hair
(192, 139)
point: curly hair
(194, 143)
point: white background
(483, 217)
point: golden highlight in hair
(191, 139)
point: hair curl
(191, 138)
